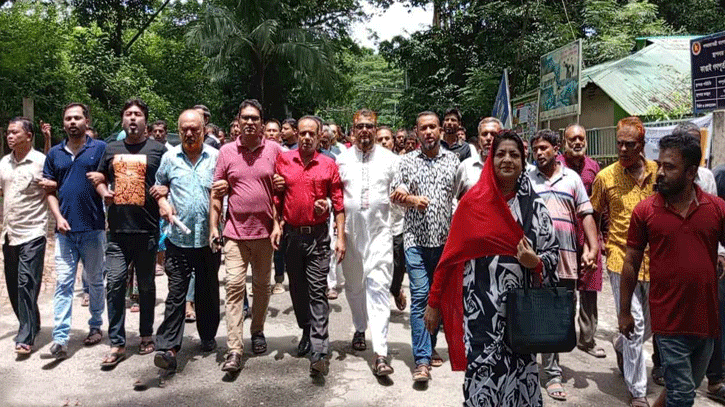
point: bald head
(191, 130)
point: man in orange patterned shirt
(617, 189)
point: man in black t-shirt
(133, 219)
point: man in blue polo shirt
(80, 225)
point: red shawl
(482, 226)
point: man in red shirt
(247, 164)
(310, 179)
(682, 225)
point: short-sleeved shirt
(588, 172)
(615, 191)
(79, 202)
(683, 254)
(249, 174)
(468, 174)
(131, 168)
(460, 148)
(305, 184)
(189, 191)
(25, 210)
(567, 200)
(433, 178)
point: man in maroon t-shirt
(247, 164)
(682, 225)
(310, 179)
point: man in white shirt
(367, 171)
(24, 225)
(469, 171)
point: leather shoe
(233, 362)
(305, 346)
(319, 365)
(165, 360)
(208, 345)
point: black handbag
(540, 320)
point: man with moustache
(247, 165)
(567, 200)
(272, 130)
(424, 184)
(187, 170)
(590, 279)
(384, 137)
(400, 136)
(24, 224)
(311, 179)
(451, 142)
(133, 221)
(469, 171)
(159, 131)
(681, 225)
(366, 171)
(80, 225)
(617, 189)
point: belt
(307, 230)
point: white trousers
(368, 293)
(635, 369)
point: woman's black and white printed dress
(495, 376)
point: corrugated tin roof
(655, 75)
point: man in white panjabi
(366, 171)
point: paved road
(277, 378)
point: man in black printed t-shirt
(133, 219)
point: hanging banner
(524, 112)
(559, 90)
(502, 104)
(652, 136)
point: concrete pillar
(717, 151)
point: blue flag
(502, 105)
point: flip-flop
(146, 347)
(190, 316)
(113, 359)
(23, 349)
(597, 351)
(555, 391)
(436, 360)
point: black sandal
(358, 341)
(259, 343)
(94, 337)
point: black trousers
(23, 275)
(180, 263)
(307, 261)
(398, 265)
(279, 261)
(122, 249)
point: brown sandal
(146, 347)
(382, 368)
(94, 337)
(421, 373)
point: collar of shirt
(445, 144)
(28, 157)
(64, 146)
(648, 172)
(364, 155)
(298, 158)
(423, 155)
(182, 154)
(240, 146)
(659, 201)
(558, 174)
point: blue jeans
(684, 361)
(87, 247)
(420, 263)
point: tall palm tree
(252, 29)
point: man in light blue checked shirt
(187, 170)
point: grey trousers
(587, 319)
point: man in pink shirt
(248, 166)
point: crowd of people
(466, 219)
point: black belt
(307, 230)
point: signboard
(559, 91)
(707, 60)
(502, 104)
(524, 116)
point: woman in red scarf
(500, 227)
